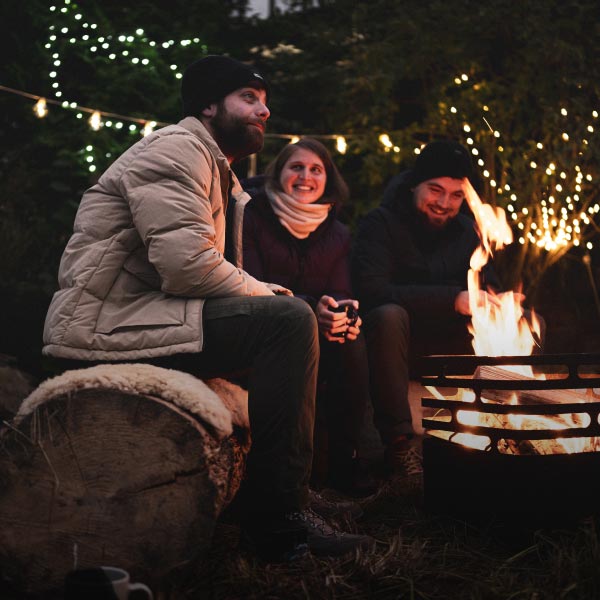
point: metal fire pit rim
(583, 358)
(498, 433)
(591, 408)
(565, 383)
(440, 364)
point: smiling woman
(293, 238)
(303, 176)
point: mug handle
(140, 586)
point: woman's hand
(354, 330)
(334, 326)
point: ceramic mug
(102, 583)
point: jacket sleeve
(167, 186)
(377, 276)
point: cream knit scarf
(298, 218)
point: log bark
(108, 477)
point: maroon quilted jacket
(311, 267)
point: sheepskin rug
(220, 403)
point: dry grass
(417, 556)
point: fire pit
(511, 449)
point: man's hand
(462, 302)
(332, 323)
(279, 290)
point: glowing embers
(495, 408)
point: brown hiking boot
(330, 509)
(403, 457)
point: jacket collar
(196, 127)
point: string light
(148, 128)
(71, 27)
(40, 109)
(340, 144)
(95, 120)
(551, 233)
(384, 139)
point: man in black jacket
(410, 266)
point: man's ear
(210, 111)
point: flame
(498, 325)
(499, 328)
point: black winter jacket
(397, 259)
(310, 267)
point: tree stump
(106, 473)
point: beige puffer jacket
(147, 250)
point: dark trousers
(342, 397)
(394, 345)
(274, 339)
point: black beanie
(213, 77)
(442, 158)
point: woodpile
(121, 465)
(532, 421)
(558, 396)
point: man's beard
(236, 138)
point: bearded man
(410, 265)
(144, 277)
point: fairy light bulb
(95, 120)
(384, 139)
(40, 110)
(340, 144)
(148, 128)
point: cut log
(533, 397)
(529, 396)
(98, 475)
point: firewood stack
(122, 465)
(530, 397)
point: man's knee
(391, 319)
(293, 319)
(295, 310)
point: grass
(417, 556)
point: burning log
(518, 447)
(525, 396)
(128, 465)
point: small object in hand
(351, 315)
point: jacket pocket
(151, 311)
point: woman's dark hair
(336, 190)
